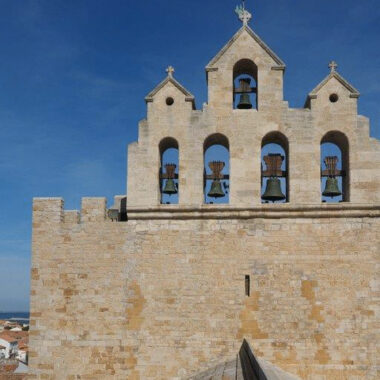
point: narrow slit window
(247, 285)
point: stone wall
(162, 296)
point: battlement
(50, 211)
(93, 210)
(47, 210)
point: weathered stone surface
(304, 128)
(162, 295)
(161, 298)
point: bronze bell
(170, 187)
(244, 102)
(273, 191)
(331, 188)
(216, 190)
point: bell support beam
(331, 170)
(271, 173)
(239, 90)
(273, 164)
(213, 177)
(337, 173)
(167, 176)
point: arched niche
(245, 86)
(216, 178)
(335, 164)
(168, 174)
(274, 167)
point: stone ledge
(280, 211)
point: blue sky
(74, 73)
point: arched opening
(245, 85)
(216, 178)
(334, 167)
(168, 175)
(274, 168)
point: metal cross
(333, 65)
(170, 70)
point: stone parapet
(51, 211)
(95, 210)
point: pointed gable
(278, 63)
(245, 53)
(170, 80)
(354, 93)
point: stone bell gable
(169, 110)
(335, 101)
(333, 104)
(243, 49)
(166, 87)
(274, 243)
(330, 115)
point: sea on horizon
(17, 316)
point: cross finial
(333, 65)
(243, 14)
(170, 70)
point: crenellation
(51, 210)
(93, 209)
(47, 210)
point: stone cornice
(269, 211)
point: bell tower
(245, 65)
(273, 151)
(238, 225)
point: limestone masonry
(150, 290)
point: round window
(334, 98)
(169, 101)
